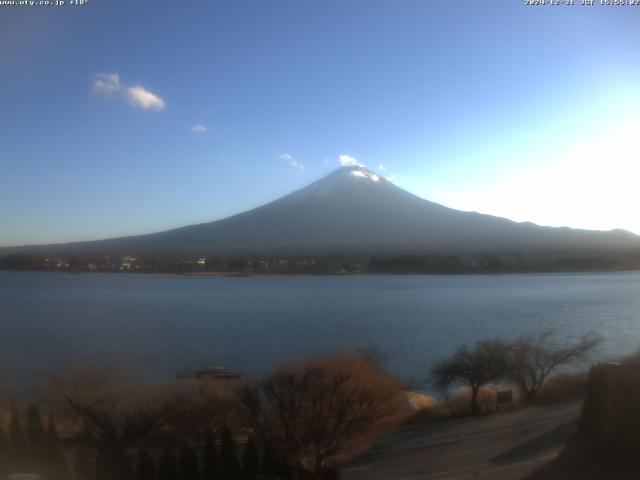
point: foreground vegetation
(605, 444)
(296, 424)
(299, 423)
(524, 362)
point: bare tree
(203, 416)
(486, 362)
(110, 411)
(534, 357)
(322, 411)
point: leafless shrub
(486, 362)
(426, 409)
(564, 387)
(534, 357)
(202, 416)
(323, 411)
(109, 410)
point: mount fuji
(352, 210)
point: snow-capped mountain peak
(362, 172)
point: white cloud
(291, 160)
(140, 97)
(381, 167)
(349, 161)
(199, 128)
(107, 84)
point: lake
(163, 324)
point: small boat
(217, 372)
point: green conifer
(17, 442)
(36, 441)
(4, 455)
(188, 464)
(270, 464)
(250, 460)
(106, 468)
(125, 470)
(167, 469)
(210, 463)
(55, 462)
(83, 468)
(145, 468)
(229, 468)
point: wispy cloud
(291, 160)
(381, 167)
(199, 128)
(110, 85)
(349, 161)
(143, 98)
(62, 176)
(392, 178)
(107, 84)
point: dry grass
(430, 409)
(426, 408)
(460, 402)
(565, 387)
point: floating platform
(216, 372)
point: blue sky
(526, 112)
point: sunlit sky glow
(123, 117)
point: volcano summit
(352, 210)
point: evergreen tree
(125, 471)
(270, 464)
(167, 469)
(36, 440)
(82, 465)
(285, 472)
(229, 468)
(55, 462)
(145, 469)
(210, 464)
(188, 464)
(17, 441)
(106, 469)
(250, 460)
(331, 474)
(4, 455)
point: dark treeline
(506, 263)
(29, 446)
(297, 264)
(333, 264)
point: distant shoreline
(324, 274)
(333, 264)
(217, 274)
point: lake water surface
(166, 323)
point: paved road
(505, 446)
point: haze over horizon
(122, 119)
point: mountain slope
(355, 210)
